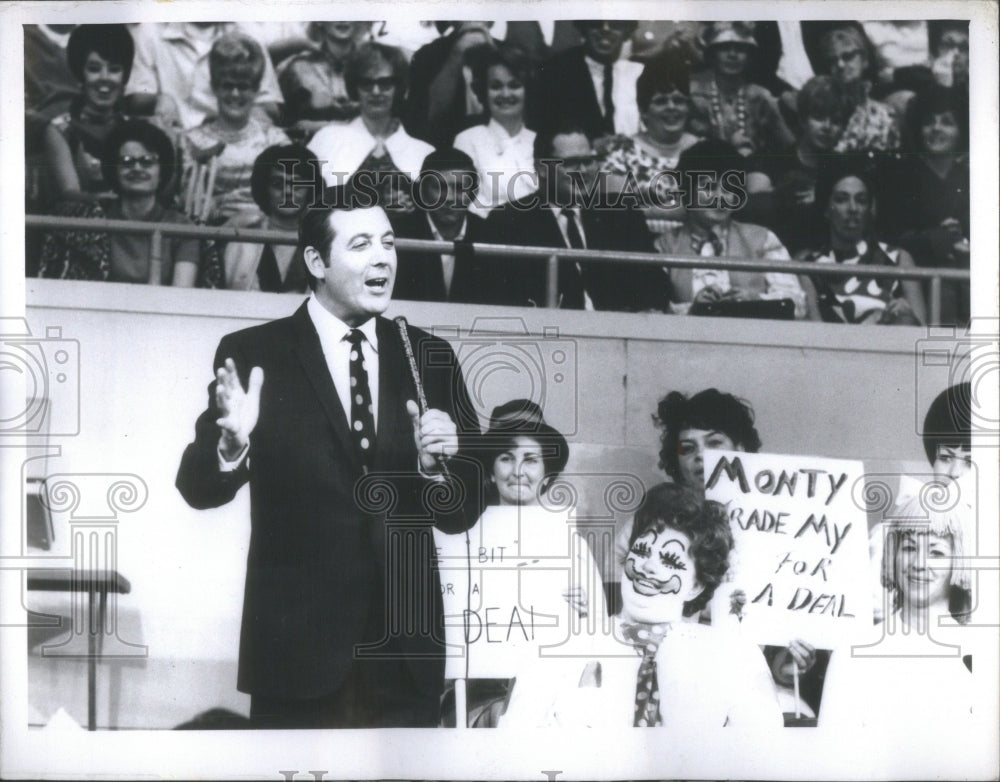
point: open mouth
(377, 284)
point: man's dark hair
(113, 42)
(315, 226)
(543, 147)
(711, 410)
(288, 158)
(669, 506)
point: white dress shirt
(623, 75)
(333, 334)
(563, 222)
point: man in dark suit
(447, 184)
(440, 102)
(568, 211)
(589, 84)
(342, 608)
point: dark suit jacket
(420, 277)
(424, 67)
(565, 92)
(316, 570)
(610, 285)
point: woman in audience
(276, 268)
(220, 152)
(924, 583)
(100, 57)
(522, 456)
(924, 197)
(375, 142)
(823, 110)
(501, 149)
(312, 81)
(845, 193)
(657, 670)
(872, 126)
(729, 107)
(138, 160)
(663, 95)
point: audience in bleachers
(172, 76)
(376, 141)
(221, 151)
(447, 184)
(100, 58)
(846, 194)
(895, 91)
(312, 81)
(727, 105)
(501, 148)
(709, 231)
(590, 85)
(282, 184)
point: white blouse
(506, 164)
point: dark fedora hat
(523, 418)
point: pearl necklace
(718, 118)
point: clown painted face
(659, 577)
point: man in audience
(713, 175)
(447, 185)
(170, 74)
(590, 84)
(559, 215)
(441, 101)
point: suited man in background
(590, 84)
(561, 214)
(316, 411)
(447, 185)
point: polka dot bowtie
(362, 414)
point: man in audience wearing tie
(591, 84)
(318, 413)
(568, 212)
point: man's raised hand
(238, 409)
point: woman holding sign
(523, 561)
(657, 670)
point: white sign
(503, 590)
(801, 554)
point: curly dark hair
(710, 409)
(668, 505)
(113, 42)
(152, 138)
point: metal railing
(552, 256)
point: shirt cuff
(235, 464)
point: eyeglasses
(844, 57)
(384, 84)
(144, 161)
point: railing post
(552, 283)
(155, 257)
(935, 300)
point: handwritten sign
(801, 554)
(503, 590)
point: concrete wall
(145, 362)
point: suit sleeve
(199, 479)
(446, 390)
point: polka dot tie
(362, 413)
(647, 692)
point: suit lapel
(310, 354)
(393, 390)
